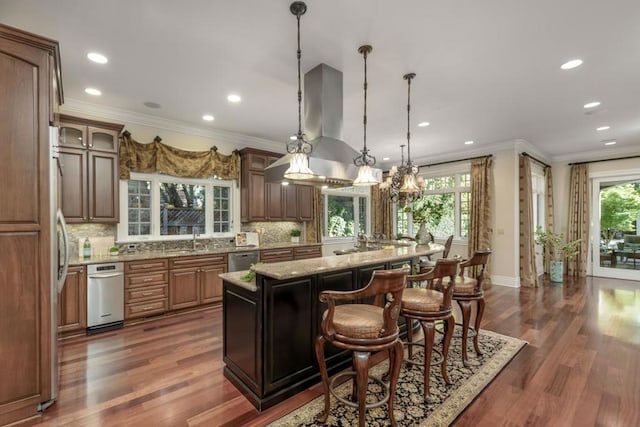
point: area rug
(409, 407)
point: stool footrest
(472, 331)
(373, 405)
(438, 360)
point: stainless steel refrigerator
(59, 261)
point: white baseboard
(512, 282)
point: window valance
(159, 157)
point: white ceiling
(487, 70)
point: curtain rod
(604, 160)
(537, 160)
(455, 161)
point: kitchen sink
(355, 250)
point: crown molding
(74, 106)
(586, 156)
(468, 152)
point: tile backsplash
(269, 232)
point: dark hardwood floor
(581, 367)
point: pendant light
(403, 181)
(365, 161)
(300, 148)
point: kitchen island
(271, 322)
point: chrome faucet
(195, 234)
(362, 240)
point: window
(156, 206)
(345, 212)
(453, 192)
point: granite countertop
(142, 255)
(305, 267)
(235, 278)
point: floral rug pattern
(448, 401)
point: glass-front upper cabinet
(72, 135)
(89, 134)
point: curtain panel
(480, 211)
(549, 219)
(579, 218)
(528, 272)
(381, 211)
(158, 157)
(313, 228)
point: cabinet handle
(82, 143)
(147, 293)
(147, 308)
(148, 279)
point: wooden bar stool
(428, 306)
(364, 328)
(467, 289)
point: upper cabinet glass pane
(72, 137)
(101, 140)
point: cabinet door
(257, 211)
(304, 202)
(184, 288)
(274, 201)
(73, 191)
(103, 187)
(290, 202)
(72, 301)
(73, 135)
(103, 139)
(211, 284)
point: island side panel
(288, 331)
(242, 338)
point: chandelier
(403, 181)
(365, 161)
(300, 148)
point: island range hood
(331, 159)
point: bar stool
(428, 306)
(363, 328)
(466, 290)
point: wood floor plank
(581, 367)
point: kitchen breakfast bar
(271, 322)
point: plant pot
(295, 239)
(557, 268)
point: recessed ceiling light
(92, 91)
(234, 98)
(423, 124)
(591, 104)
(610, 143)
(386, 158)
(151, 104)
(97, 58)
(208, 117)
(601, 128)
(571, 64)
(468, 142)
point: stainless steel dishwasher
(239, 261)
(105, 296)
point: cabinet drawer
(275, 255)
(151, 278)
(148, 265)
(146, 293)
(216, 259)
(143, 309)
(307, 252)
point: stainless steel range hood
(332, 159)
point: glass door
(616, 227)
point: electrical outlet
(131, 247)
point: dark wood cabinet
(194, 281)
(30, 85)
(89, 165)
(269, 201)
(72, 302)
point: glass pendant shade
(365, 176)
(298, 167)
(409, 184)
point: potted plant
(426, 210)
(559, 249)
(295, 235)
